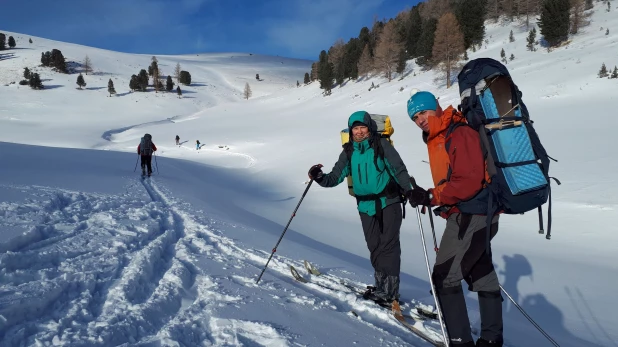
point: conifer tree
(143, 80)
(87, 65)
(35, 81)
(80, 81)
(177, 70)
(306, 80)
(603, 72)
(425, 44)
(413, 33)
(471, 15)
(531, 40)
(169, 84)
(12, 43)
(448, 46)
(110, 87)
(134, 83)
(554, 21)
(247, 91)
(325, 73)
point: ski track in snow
(100, 270)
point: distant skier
(197, 144)
(145, 150)
(177, 140)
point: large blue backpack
(517, 163)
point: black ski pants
(382, 239)
(147, 162)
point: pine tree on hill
(134, 83)
(471, 15)
(35, 81)
(603, 72)
(110, 87)
(555, 21)
(169, 84)
(325, 73)
(80, 81)
(424, 46)
(143, 80)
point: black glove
(315, 173)
(418, 196)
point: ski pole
(530, 319)
(284, 230)
(433, 229)
(136, 163)
(433, 288)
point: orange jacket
(465, 159)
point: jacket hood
(363, 117)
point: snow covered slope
(112, 260)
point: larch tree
(388, 48)
(365, 63)
(87, 65)
(247, 92)
(448, 45)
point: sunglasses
(415, 118)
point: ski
(352, 290)
(418, 332)
(419, 313)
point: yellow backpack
(385, 129)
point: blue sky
(291, 28)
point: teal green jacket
(370, 176)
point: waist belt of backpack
(390, 191)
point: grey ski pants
(383, 239)
(466, 259)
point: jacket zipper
(360, 177)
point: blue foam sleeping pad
(512, 146)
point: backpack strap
(447, 146)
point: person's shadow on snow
(518, 331)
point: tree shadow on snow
(541, 310)
(95, 88)
(123, 94)
(52, 86)
(198, 85)
(7, 56)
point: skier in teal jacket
(381, 184)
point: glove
(315, 172)
(419, 197)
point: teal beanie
(421, 101)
